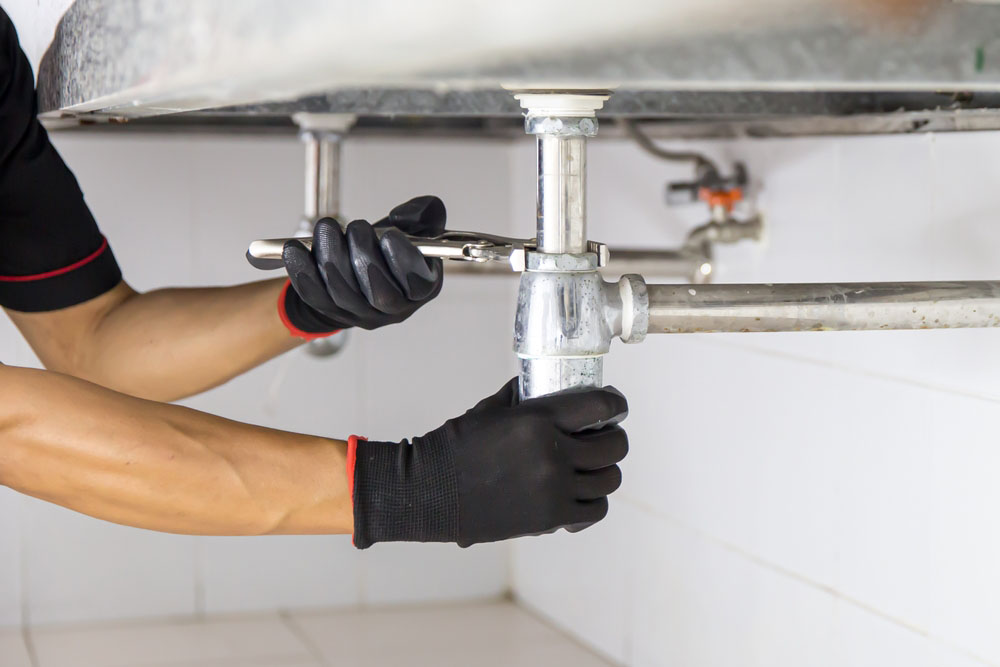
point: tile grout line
(541, 618)
(293, 627)
(801, 578)
(29, 646)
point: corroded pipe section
(823, 307)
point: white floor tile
(216, 641)
(249, 662)
(13, 652)
(490, 634)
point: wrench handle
(265, 254)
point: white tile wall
(698, 601)
(78, 568)
(10, 558)
(594, 597)
(10, 515)
(964, 578)
(24, 15)
(397, 573)
(239, 574)
(800, 498)
(700, 604)
(36, 22)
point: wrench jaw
(477, 247)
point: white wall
(792, 499)
(36, 22)
(180, 210)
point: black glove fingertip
(331, 252)
(421, 216)
(419, 277)
(306, 303)
(421, 290)
(364, 251)
(301, 266)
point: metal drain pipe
(561, 329)
(322, 135)
(823, 307)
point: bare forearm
(164, 344)
(164, 467)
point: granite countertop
(136, 58)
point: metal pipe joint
(567, 316)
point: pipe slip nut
(635, 308)
(555, 126)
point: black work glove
(503, 469)
(355, 278)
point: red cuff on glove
(299, 333)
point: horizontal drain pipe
(822, 307)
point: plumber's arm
(171, 343)
(163, 344)
(164, 467)
(504, 468)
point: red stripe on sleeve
(58, 272)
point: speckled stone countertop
(134, 58)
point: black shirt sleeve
(52, 255)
